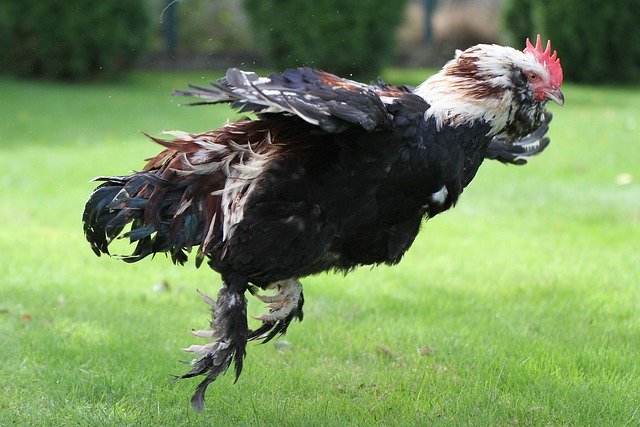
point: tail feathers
(190, 194)
(148, 205)
(99, 228)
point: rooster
(331, 174)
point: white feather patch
(451, 96)
(440, 196)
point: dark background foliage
(349, 38)
(71, 39)
(598, 41)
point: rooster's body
(333, 174)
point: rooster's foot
(283, 308)
(228, 337)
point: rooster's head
(505, 87)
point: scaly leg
(283, 308)
(229, 333)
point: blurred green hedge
(349, 38)
(71, 39)
(597, 41)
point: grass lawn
(520, 306)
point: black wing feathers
(322, 99)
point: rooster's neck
(454, 101)
(477, 85)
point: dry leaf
(624, 179)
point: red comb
(551, 61)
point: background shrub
(597, 41)
(344, 37)
(204, 26)
(71, 39)
(518, 20)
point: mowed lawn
(519, 306)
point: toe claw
(277, 305)
(202, 334)
(198, 349)
(207, 299)
(283, 307)
(270, 298)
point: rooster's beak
(555, 95)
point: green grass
(520, 306)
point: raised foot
(284, 306)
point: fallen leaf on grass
(386, 351)
(381, 348)
(161, 287)
(624, 179)
(425, 350)
(389, 353)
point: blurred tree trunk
(429, 7)
(170, 24)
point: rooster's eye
(532, 77)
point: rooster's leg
(228, 333)
(283, 308)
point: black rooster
(333, 174)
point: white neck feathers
(474, 86)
